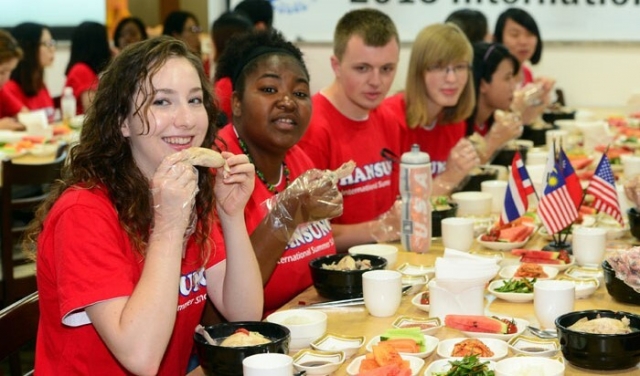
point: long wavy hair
(103, 158)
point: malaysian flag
(556, 209)
(516, 199)
(603, 187)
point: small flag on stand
(570, 178)
(516, 199)
(556, 208)
(603, 188)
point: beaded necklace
(270, 187)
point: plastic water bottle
(415, 188)
(68, 105)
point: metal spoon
(540, 333)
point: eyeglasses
(193, 29)
(458, 70)
(50, 43)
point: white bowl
(443, 365)
(416, 302)
(315, 362)
(427, 325)
(416, 283)
(389, 252)
(499, 348)
(43, 150)
(501, 246)
(534, 346)
(430, 344)
(585, 287)
(472, 203)
(529, 365)
(417, 270)
(335, 342)
(306, 325)
(415, 363)
(76, 121)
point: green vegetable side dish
(523, 286)
(467, 366)
(439, 203)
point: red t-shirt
(333, 139)
(81, 78)
(224, 89)
(84, 257)
(42, 100)
(437, 140)
(527, 75)
(310, 240)
(9, 105)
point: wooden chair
(19, 326)
(18, 271)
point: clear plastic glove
(632, 190)
(531, 100)
(462, 159)
(173, 190)
(313, 196)
(386, 228)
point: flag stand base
(555, 246)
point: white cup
(382, 292)
(537, 157)
(552, 298)
(630, 166)
(558, 136)
(497, 189)
(589, 244)
(268, 364)
(457, 233)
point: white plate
(521, 324)
(416, 302)
(428, 325)
(562, 267)
(534, 346)
(508, 271)
(499, 348)
(514, 297)
(11, 137)
(417, 283)
(430, 344)
(335, 342)
(329, 361)
(580, 272)
(417, 270)
(415, 364)
(585, 287)
(502, 246)
(443, 365)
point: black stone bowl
(552, 116)
(599, 351)
(634, 222)
(341, 284)
(504, 157)
(616, 287)
(537, 135)
(438, 215)
(474, 182)
(227, 361)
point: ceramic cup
(552, 298)
(630, 166)
(457, 233)
(497, 189)
(269, 364)
(557, 135)
(588, 246)
(382, 292)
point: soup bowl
(341, 284)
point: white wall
(590, 74)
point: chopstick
(341, 303)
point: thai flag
(603, 188)
(556, 209)
(516, 199)
(570, 178)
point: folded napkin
(458, 271)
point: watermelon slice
(547, 257)
(541, 261)
(471, 323)
(515, 234)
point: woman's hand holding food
(531, 100)
(234, 184)
(506, 127)
(386, 228)
(462, 159)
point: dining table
(356, 321)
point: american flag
(556, 209)
(516, 199)
(603, 188)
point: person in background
(222, 29)
(271, 112)
(347, 124)
(437, 100)
(10, 55)
(27, 80)
(473, 24)
(128, 243)
(494, 71)
(260, 12)
(90, 55)
(184, 25)
(129, 30)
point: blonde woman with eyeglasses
(27, 80)
(438, 97)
